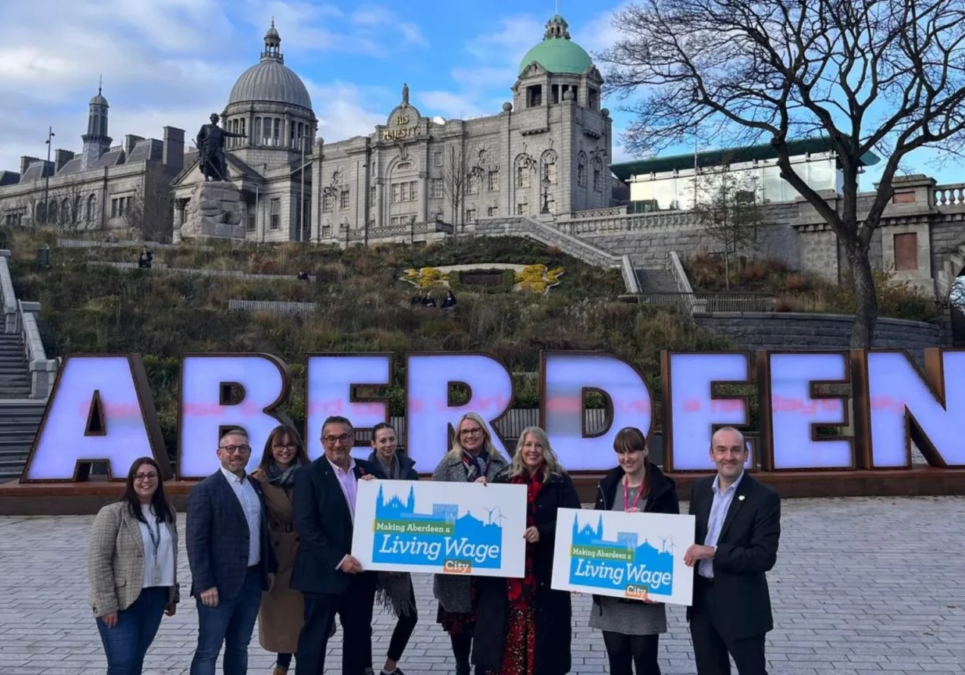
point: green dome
(557, 53)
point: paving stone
(861, 587)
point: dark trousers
(128, 641)
(629, 651)
(230, 623)
(710, 646)
(402, 632)
(354, 610)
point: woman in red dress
(524, 626)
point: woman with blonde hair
(132, 563)
(472, 459)
(281, 615)
(631, 628)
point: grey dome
(271, 81)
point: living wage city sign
(624, 555)
(442, 528)
(101, 407)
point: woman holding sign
(472, 459)
(524, 625)
(395, 590)
(631, 628)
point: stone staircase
(19, 422)
(656, 281)
(14, 371)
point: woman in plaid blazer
(132, 563)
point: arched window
(581, 169)
(41, 214)
(65, 211)
(91, 208)
(598, 175)
(52, 212)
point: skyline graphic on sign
(622, 562)
(404, 535)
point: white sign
(444, 528)
(624, 555)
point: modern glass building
(667, 183)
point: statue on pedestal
(211, 142)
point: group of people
(275, 547)
(425, 299)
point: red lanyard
(626, 496)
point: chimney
(130, 140)
(61, 157)
(25, 162)
(173, 152)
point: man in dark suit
(230, 558)
(738, 530)
(331, 580)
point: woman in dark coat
(632, 628)
(524, 625)
(395, 590)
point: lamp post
(546, 193)
(50, 135)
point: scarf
(520, 591)
(395, 466)
(281, 478)
(394, 593)
(476, 466)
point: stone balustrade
(949, 195)
(42, 369)
(7, 294)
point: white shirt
(251, 505)
(718, 512)
(164, 557)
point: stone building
(124, 187)
(414, 177)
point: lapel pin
(740, 498)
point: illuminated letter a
(100, 410)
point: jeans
(128, 641)
(232, 622)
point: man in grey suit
(230, 558)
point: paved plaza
(861, 586)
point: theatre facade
(415, 177)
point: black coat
(324, 526)
(217, 538)
(746, 551)
(553, 608)
(406, 462)
(662, 499)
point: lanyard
(626, 496)
(156, 542)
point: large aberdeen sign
(101, 408)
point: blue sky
(173, 62)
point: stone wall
(823, 332)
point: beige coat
(115, 560)
(282, 611)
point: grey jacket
(453, 591)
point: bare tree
(461, 165)
(151, 213)
(72, 195)
(728, 208)
(885, 76)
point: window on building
(328, 202)
(405, 192)
(372, 196)
(581, 170)
(275, 214)
(436, 187)
(594, 96)
(549, 171)
(413, 191)
(494, 180)
(470, 215)
(396, 193)
(65, 214)
(492, 211)
(91, 208)
(906, 252)
(344, 200)
(276, 137)
(597, 177)
(437, 159)
(250, 218)
(522, 209)
(522, 176)
(534, 96)
(472, 183)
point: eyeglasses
(239, 449)
(290, 446)
(344, 438)
(470, 432)
(145, 476)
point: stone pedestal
(215, 210)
